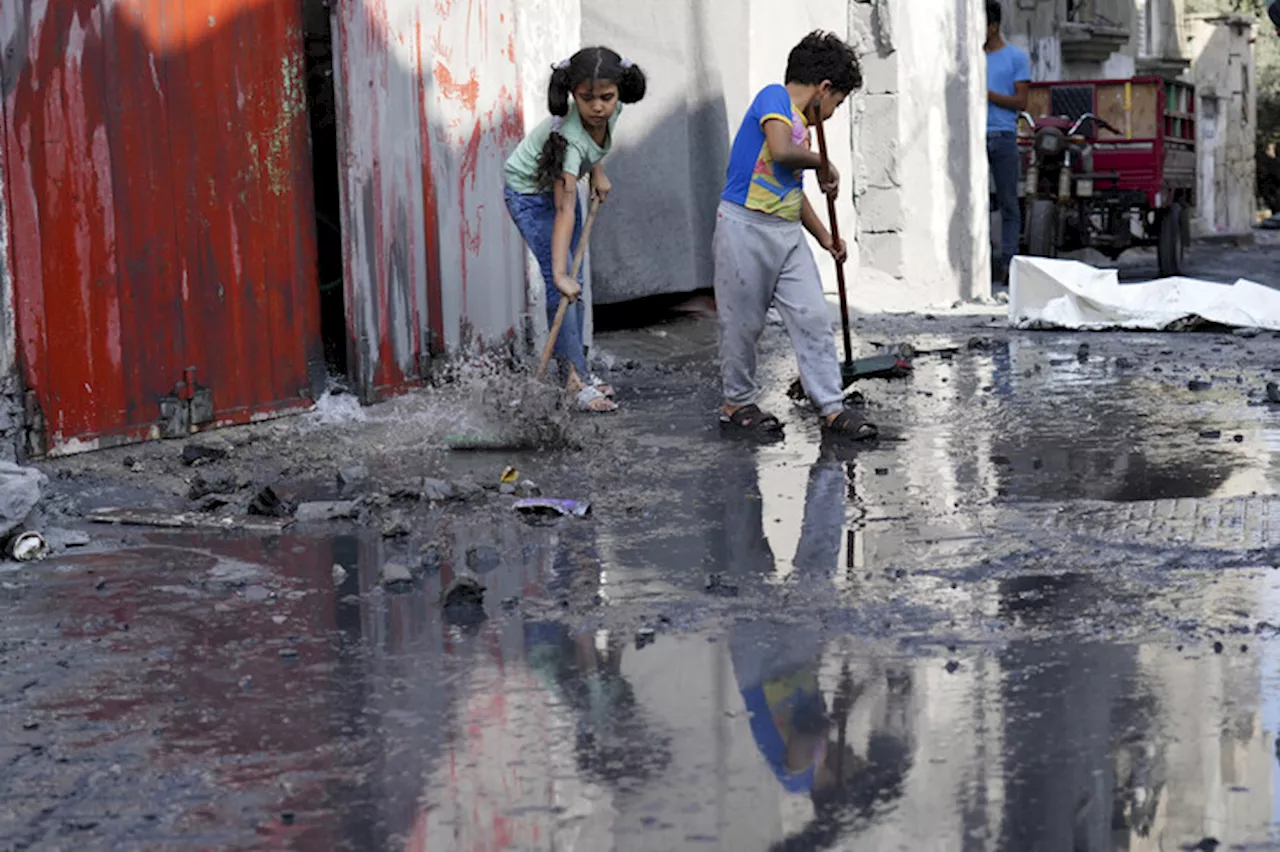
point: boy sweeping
(761, 255)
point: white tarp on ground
(1046, 293)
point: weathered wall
(10, 401)
(671, 152)
(919, 143)
(429, 96)
(1090, 40)
(1223, 71)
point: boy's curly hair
(824, 56)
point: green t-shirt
(580, 157)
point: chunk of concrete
(437, 490)
(333, 510)
(396, 573)
(20, 490)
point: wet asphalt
(1041, 613)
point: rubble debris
(1198, 385)
(437, 490)
(395, 526)
(187, 520)
(352, 475)
(465, 590)
(1273, 393)
(213, 502)
(645, 636)
(1123, 363)
(200, 451)
(330, 510)
(203, 486)
(716, 584)
(21, 488)
(269, 505)
(1082, 354)
(544, 507)
(339, 575)
(527, 488)
(483, 558)
(468, 489)
(1247, 332)
(288, 653)
(60, 539)
(1211, 434)
(396, 573)
(27, 546)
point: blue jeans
(535, 217)
(1006, 163)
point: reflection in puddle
(1011, 628)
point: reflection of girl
(613, 743)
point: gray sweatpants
(763, 260)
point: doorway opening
(322, 111)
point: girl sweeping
(584, 97)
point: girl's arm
(814, 226)
(601, 186)
(566, 195)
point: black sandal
(750, 420)
(845, 425)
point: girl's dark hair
(591, 64)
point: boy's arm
(785, 152)
(813, 224)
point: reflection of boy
(779, 686)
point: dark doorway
(322, 108)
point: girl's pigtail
(551, 160)
(631, 83)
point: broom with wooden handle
(564, 303)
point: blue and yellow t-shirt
(755, 181)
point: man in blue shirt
(1273, 11)
(1008, 79)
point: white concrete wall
(919, 142)
(1224, 73)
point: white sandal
(589, 398)
(601, 385)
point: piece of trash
(527, 488)
(1211, 434)
(952, 666)
(394, 573)
(1082, 354)
(1199, 385)
(544, 507)
(645, 636)
(339, 575)
(288, 653)
(28, 547)
(1273, 393)
(718, 585)
(509, 476)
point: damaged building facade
(209, 211)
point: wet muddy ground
(1041, 613)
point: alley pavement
(1041, 612)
